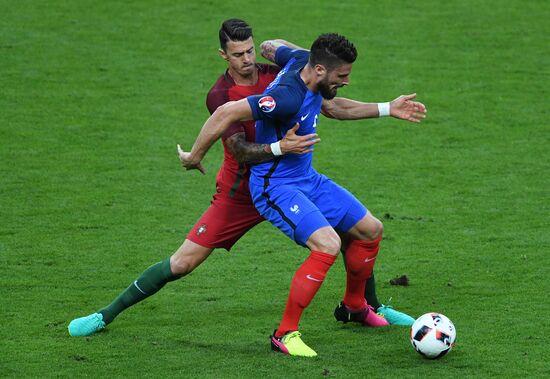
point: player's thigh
(288, 209)
(224, 223)
(340, 207)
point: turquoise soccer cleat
(395, 317)
(84, 326)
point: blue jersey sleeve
(281, 103)
(285, 53)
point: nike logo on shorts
(369, 259)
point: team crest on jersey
(201, 229)
(267, 104)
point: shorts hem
(210, 246)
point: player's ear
(320, 70)
(223, 54)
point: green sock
(370, 293)
(149, 283)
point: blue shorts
(300, 206)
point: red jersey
(232, 177)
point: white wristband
(383, 109)
(276, 148)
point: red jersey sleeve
(217, 96)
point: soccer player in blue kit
(305, 205)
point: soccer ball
(433, 335)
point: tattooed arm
(251, 153)
(246, 152)
(268, 48)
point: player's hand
(187, 162)
(295, 144)
(406, 109)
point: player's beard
(325, 90)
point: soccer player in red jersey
(231, 213)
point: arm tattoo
(268, 49)
(247, 152)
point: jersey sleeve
(285, 53)
(216, 98)
(281, 103)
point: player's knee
(188, 257)
(372, 231)
(181, 266)
(334, 243)
(377, 230)
(327, 242)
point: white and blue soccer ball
(433, 335)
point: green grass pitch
(94, 96)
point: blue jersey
(285, 102)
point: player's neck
(241, 80)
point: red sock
(307, 280)
(360, 258)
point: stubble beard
(326, 91)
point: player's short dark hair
(234, 29)
(332, 50)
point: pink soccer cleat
(367, 317)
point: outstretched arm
(211, 131)
(402, 107)
(268, 48)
